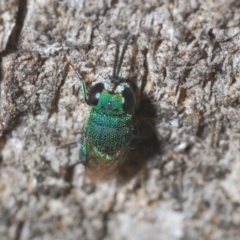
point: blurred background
(181, 179)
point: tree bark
(181, 180)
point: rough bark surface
(181, 182)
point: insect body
(108, 131)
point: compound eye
(95, 93)
(128, 99)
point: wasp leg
(83, 153)
(83, 91)
(82, 84)
(83, 148)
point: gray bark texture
(181, 180)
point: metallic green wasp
(108, 131)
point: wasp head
(112, 101)
(113, 96)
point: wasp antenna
(116, 60)
(123, 53)
(75, 70)
(83, 85)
